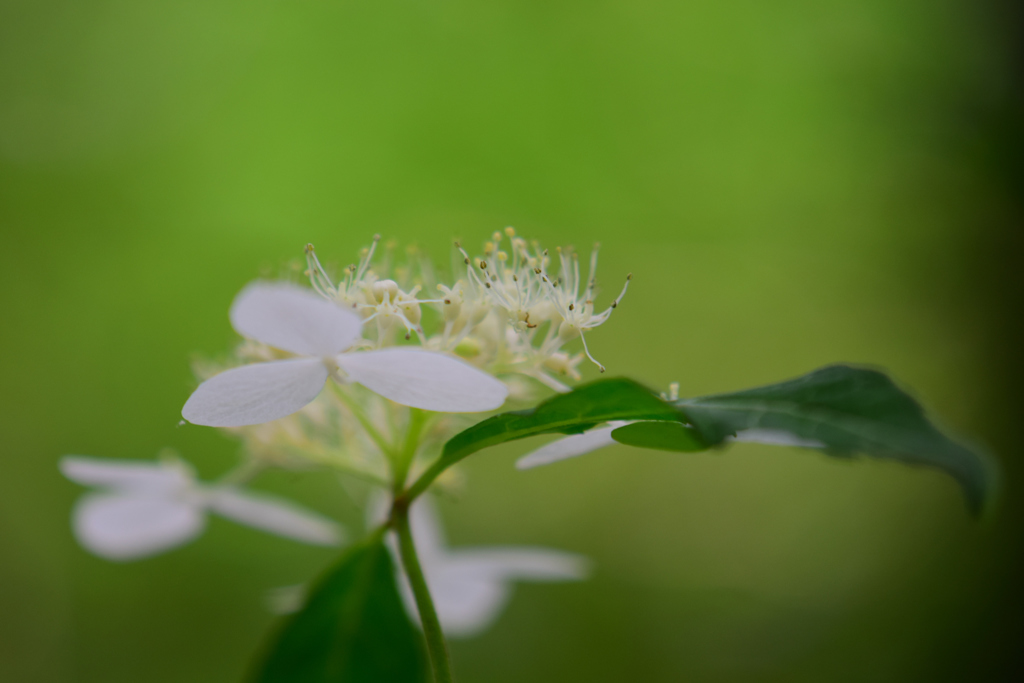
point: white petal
(521, 563)
(425, 524)
(571, 446)
(472, 586)
(257, 393)
(131, 526)
(466, 603)
(124, 474)
(775, 437)
(425, 379)
(274, 515)
(293, 319)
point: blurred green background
(792, 183)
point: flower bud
(411, 309)
(382, 287)
(543, 311)
(468, 348)
(567, 331)
(562, 364)
(451, 310)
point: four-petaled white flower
(470, 586)
(580, 444)
(318, 332)
(145, 508)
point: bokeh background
(792, 183)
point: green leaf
(571, 413)
(850, 410)
(353, 629)
(664, 436)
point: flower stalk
(437, 648)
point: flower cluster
(366, 373)
(512, 310)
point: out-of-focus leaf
(353, 629)
(849, 410)
(571, 413)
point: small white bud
(567, 331)
(382, 287)
(468, 348)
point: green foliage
(571, 413)
(664, 436)
(850, 410)
(847, 410)
(353, 628)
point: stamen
(592, 275)
(587, 351)
(318, 277)
(367, 256)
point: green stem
(424, 480)
(436, 645)
(417, 420)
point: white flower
(580, 444)
(575, 303)
(470, 586)
(372, 297)
(144, 508)
(295, 320)
(530, 295)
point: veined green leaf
(353, 629)
(849, 410)
(840, 409)
(571, 413)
